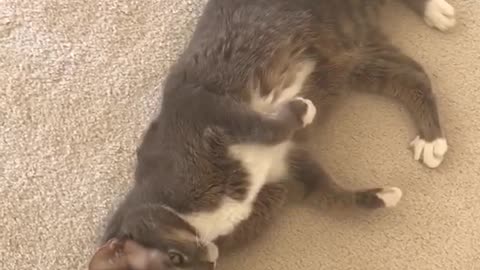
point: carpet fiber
(79, 83)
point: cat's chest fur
(263, 164)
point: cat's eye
(176, 258)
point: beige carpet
(78, 86)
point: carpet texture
(79, 83)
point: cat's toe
(440, 14)
(310, 112)
(431, 153)
(390, 196)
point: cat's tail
(306, 170)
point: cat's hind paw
(390, 196)
(439, 14)
(431, 153)
(385, 197)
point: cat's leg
(267, 205)
(387, 71)
(436, 13)
(305, 169)
(254, 127)
(221, 116)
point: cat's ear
(109, 257)
(128, 255)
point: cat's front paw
(439, 14)
(431, 153)
(305, 109)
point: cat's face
(130, 255)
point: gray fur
(241, 48)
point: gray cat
(211, 166)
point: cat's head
(152, 237)
(130, 255)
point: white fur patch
(263, 164)
(390, 196)
(439, 14)
(309, 115)
(431, 153)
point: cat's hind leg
(436, 13)
(266, 207)
(387, 71)
(305, 169)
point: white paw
(390, 196)
(439, 14)
(212, 252)
(431, 153)
(309, 115)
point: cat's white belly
(263, 164)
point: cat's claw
(431, 153)
(310, 113)
(439, 14)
